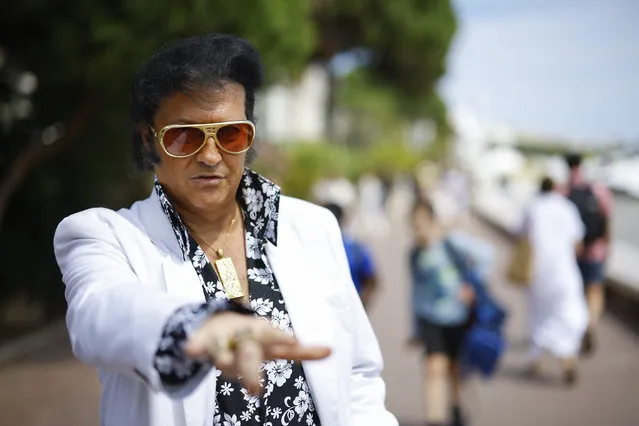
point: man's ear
(148, 139)
(150, 155)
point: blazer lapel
(310, 317)
(179, 280)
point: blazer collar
(156, 224)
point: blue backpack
(484, 343)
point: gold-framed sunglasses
(184, 140)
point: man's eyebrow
(181, 120)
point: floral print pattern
(286, 399)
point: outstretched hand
(238, 343)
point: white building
(296, 111)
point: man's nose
(210, 154)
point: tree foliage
(65, 145)
(409, 39)
(83, 54)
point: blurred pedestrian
(386, 180)
(595, 204)
(372, 218)
(557, 309)
(455, 183)
(335, 188)
(360, 260)
(441, 308)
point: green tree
(409, 40)
(83, 54)
(64, 145)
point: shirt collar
(258, 197)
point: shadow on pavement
(518, 374)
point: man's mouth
(213, 178)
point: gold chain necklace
(224, 265)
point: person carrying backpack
(595, 204)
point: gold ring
(241, 336)
(220, 345)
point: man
(202, 304)
(594, 202)
(360, 260)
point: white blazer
(125, 275)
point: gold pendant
(228, 275)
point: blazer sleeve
(115, 322)
(368, 391)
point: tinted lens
(183, 140)
(235, 137)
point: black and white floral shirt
(286, 399)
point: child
(441, 312)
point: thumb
(194, 347)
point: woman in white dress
(558, 311)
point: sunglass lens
(182, 141)
(235, 137)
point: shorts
(440, 339)
(591, 272)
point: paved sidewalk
(49, 389)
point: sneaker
(588, 344)
(571, 377)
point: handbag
(520, 268)
(483, 348)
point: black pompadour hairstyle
(191, 65)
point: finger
(195, 347)
(198, 345)
(222, 356)
(298, 352)
(267, 335)
(248, 356)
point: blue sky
(566, 68)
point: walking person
(558, 313)
(360, 260)
(441, 308)
(371, 209)
(595, 204)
